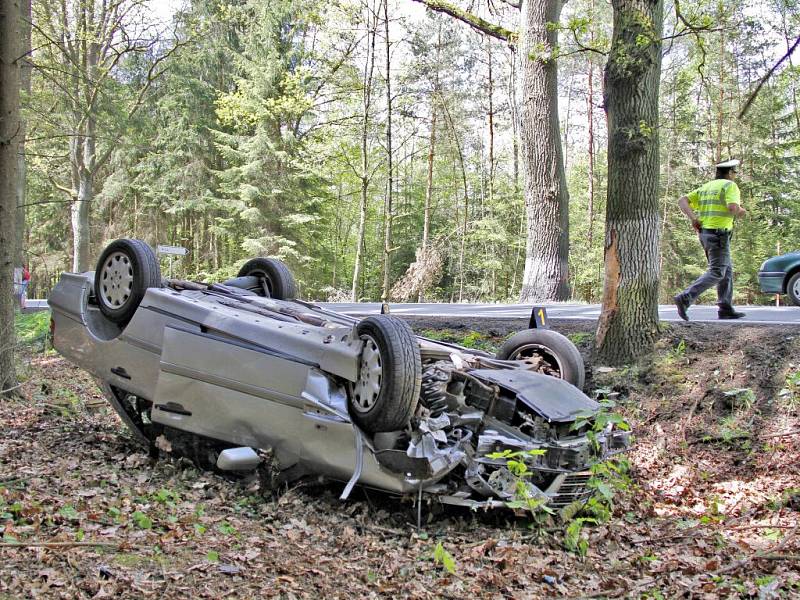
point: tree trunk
(567, 120)
(590, 118)
(628, 324)
(490, 93)
(465, 188)
(10, 33)
(80, 222)
(512, 92)
(25, 85)
(546, 197)
(364, 175)
(721, 99)
(426, 217)
(388, 208)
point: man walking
(711, 208)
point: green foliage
(579, 337)
(444, 558)
(677, 352)
(166, 497)
(516, 461)
(742, 399)
(790, 393)
(141, 520)
(69, 512)
(32, 328)
(250, 142)
(226, 528)
(573, 538)
(598, 421)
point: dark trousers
(720, 270)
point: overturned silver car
(230, 373)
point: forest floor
(711, 509)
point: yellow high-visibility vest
(710, 203)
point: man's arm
(683, 203)
(736, 210)
(732, 197)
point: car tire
(386, 393)
(125, 271)
(793, 289)
(276, 275)
(557, 350)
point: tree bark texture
(590, 118)
(490, 116)
(546, 197)
(465, 188)
(10, 33)
(590, 147)
(25, 85)
(388, 208)
(426, 216)
(628, 323)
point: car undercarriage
(241, 376)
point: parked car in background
(781, 275)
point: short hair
(722, 172)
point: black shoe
(730, 314)
(682, 304)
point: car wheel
(558, 353)
(126, 269)
(793, 289)
(276, 276)
(386, 393)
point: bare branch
(582, 47)
(766, 77)
(696, 32)
(38, 202)
(62, 188)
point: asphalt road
(772, 315)
(788, 315)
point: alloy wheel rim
(796, 288)
(368, 386)
(116, 280)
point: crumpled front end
(473, 424)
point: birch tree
(83, 46)
(365, 173)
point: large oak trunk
(9, 139)
(629, 321)
(546, 196)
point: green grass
(468, 339)
(579, 337)
(32, 327)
